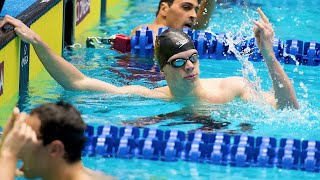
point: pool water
(292, 20)
(8, 10)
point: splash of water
(235, 39)
(238, 36)
(264, 116)
(248, 70)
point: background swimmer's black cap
(171, 42)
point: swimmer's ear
(164, 7)
(56, 149)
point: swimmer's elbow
(288, 105)
(297, 106)
(70, 87)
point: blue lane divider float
(213, 46)
(218, 148)
(142, 42)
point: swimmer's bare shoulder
(133, 32)
(234, 86)
(212, 83)
(154, 27)
(224, 82)
(163, 92)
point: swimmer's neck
(159, 22)
(192, 93)
(65, 171)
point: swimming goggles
(179, 62)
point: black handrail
(28, 16)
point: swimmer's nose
(193, 15)
(189, 66)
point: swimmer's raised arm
(62, 71)
(7, 159)
(283, 90)
(66, 74)
(284, 95)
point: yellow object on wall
(90, 15)
(50, 28)
(9, 58)
(51, 33)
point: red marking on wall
(82, 10)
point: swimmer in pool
(193, 14)
(177, 58)
(49, 142)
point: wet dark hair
(169, 2)
(170, 42)
(61, 121)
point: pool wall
(58, 22)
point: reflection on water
(184, 116)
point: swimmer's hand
(18, 137)
(264, 34)
(23, 31)
(18, 134)
(10, 123)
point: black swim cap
(171, 42)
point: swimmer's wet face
(179, 13)
(34, 156)
(184, 75)
(60, 131)
(171, 42)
